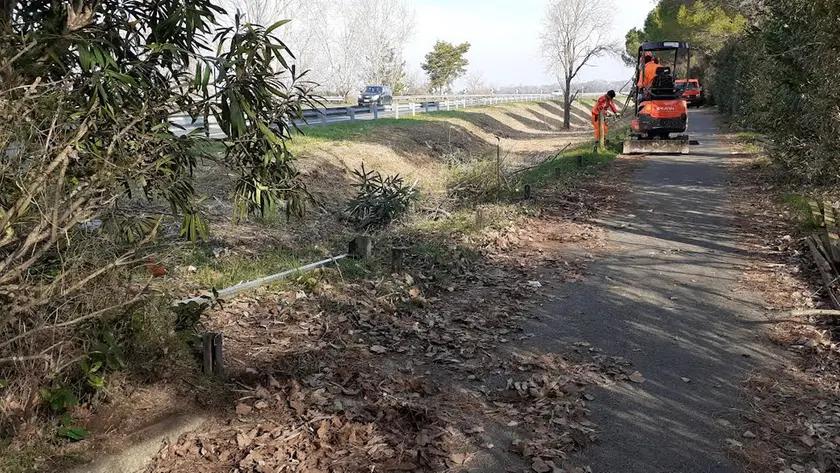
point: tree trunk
(567, 105)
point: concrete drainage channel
(146, 443)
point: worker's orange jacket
(648, 74)
(604, 103)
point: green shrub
(379, 201)
(781, 79)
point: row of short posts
(361, 248)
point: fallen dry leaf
(243, 409)
(734, 443)
(637, 377)
(379, 349)
(458, 458)
(540, 466)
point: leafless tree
(263, 12)
(415, 82)
(574, 33)
(475, 82)
(386, 27)
(341, 42)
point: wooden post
(361, 247)
(218, 355)
(397, 255)
(498, 163)
(207, 352)
(479, 218)
(527, 191)
(602, 145)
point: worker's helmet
(611, 94)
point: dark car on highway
(376, 95)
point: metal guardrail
(401, 106)
(412, 105)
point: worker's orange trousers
(598, 128)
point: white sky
(504, 35)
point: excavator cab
(661, 112)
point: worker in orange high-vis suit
(607, 104)
(648, 72)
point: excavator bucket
(677, 145)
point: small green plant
(109, 353)
(94, 374)
(380, 200)
(70, 431)
(58, 398)
(188, 315)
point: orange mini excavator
(661, 113)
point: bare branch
(574, 33)
(72, 322)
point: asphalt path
(667, 299)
